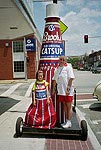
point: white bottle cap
(52, 10)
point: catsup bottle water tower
(52, 44)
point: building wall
(6, 66)
(95, 58)
(31, 65)
(6, 71)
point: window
(17, 46)
(18, 66)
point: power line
(54, 1)
(94, 36)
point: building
(86, 61)
(16, 25)
(95, 58)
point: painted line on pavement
(95, 121)
(83, 93)
(11, 90)
(85, 105)
(29, 90)
(82, 100)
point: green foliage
(74, 61)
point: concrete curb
(16, 81)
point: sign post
(25, 59)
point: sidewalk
(7, 128)
(55, 144)
(7, 131)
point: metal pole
(36, 55)
(74, 100)
(25, 60)
(64, 46)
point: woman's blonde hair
(62, 57)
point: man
(63, 77)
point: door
(18, 59)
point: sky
(83, 17)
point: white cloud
(82, 17)
(86, 12)
(75, 2)
(80, 23)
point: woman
(40, 113)
(63, 77)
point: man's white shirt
(62, 76)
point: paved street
(16, 97)
(85, 81)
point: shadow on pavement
(14, 111)
(95, 106)
(6, 103)
(53, 136)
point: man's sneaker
(67, 125)
(62, 124)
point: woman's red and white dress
(42, 115)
